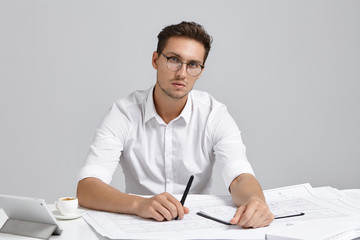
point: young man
(164, 134)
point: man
(167, 133)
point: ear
(155, 59)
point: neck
(167, 107)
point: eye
(173, 60)
(193, 65)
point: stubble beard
(172, 95)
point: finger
(258, 216)
(239, 212)
(256, 219)
(171, 208)
(179, 208)
(269, 220)
(147, 209)
(266, 217)
(260, 222)
(180, 212)
(186, 210)
(261, 217)
(156, 215)
(165, 214)
(246, 216)
(265, 220)
(159, 207)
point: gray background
(287, 70)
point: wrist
(135, 203)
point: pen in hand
(182, 201)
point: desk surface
(324, 198)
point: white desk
(327, 199)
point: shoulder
(133, 99)
(128, 108)
(219, 122)
(205, 100)
(123, 113)
(132, 105)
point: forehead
(186, 48)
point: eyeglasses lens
(174, 64)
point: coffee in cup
(67, 205)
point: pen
(213, 218)
(228, 223)
(182, 201)
(288, 216)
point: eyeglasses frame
(187, 65)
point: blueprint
(326, 203)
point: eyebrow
(179, 56)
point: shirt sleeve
(228, 147)
(108, 144)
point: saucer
(78, 213)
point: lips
(178, 84)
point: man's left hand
(253, 214)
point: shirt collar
(150, 110)
(186, 112)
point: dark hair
(185, 29)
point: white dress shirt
(157, 157)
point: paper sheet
(281, 201)
(121, 226)
(352, 193)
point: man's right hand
(95, 194)
(160, 207)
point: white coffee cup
(67, 205)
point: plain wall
(288, 71)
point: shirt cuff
(95, 171)
(234, 169)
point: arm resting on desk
(95, 194)
(252, 209)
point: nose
(181, 73)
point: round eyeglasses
(174, 64)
